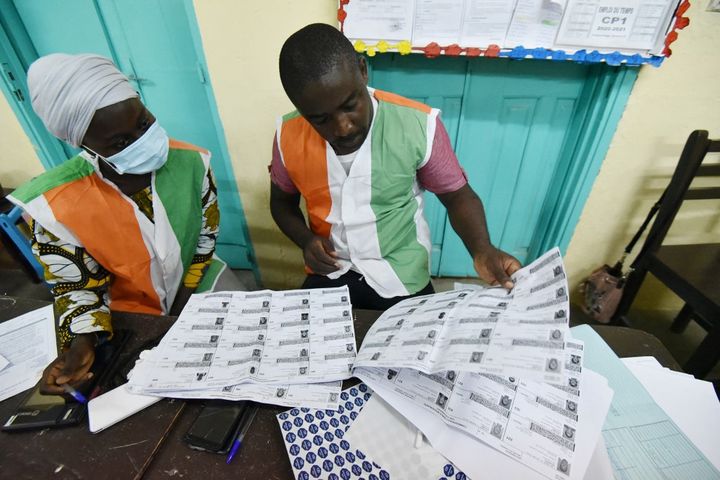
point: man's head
(326, 80)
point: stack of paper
(493, 368)
(287, 348)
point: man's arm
(318, 252)
(467, 217)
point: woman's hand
(71, 367)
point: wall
(666, 104)
(19, 162)
(242, 41)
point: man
(361, 159)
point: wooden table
(149, 444)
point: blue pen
(247, 420)
(74, 393)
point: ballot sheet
(530, 421)
(486, 330)
(226, 344)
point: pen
(247, 420)
(74, 393)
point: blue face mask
(146, 154)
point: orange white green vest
(374, 214)
(148, 259)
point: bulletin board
(631, 32)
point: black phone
(216, 426)
(42, 411)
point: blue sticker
(363, 387)
(333, 421)
(353, 415)
(354, 391)
(384, 475)
(298, 422)
(298, 463)
(329, 437)
(303, 476)
(302, 433)
(350, 457)
(349, 405)
(360, 454)
(358, 402)
(448, 470)
(344, 395)
(367, 396)
(315, 471)
(304, 409)
(306, 444)
(345, 474)
(283, 416)
(332, 476)
(319, 415)
(356, 470)
(328, 465)
(310, 457)
(294, 449)
(372, 476)
(460, 476)
(317, 440)
(330, 413)
(322, 452)
(309, 417)
(294, 412)
(367, 466)
(339, 461)
(290, 437)
(344, 445)
(313, 428)
(339, 433)
(334, 448)
(344, 419)
(287, 426)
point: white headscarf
(66, 90)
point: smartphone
(216, 426)
(42, 411)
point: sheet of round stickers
(316, 448)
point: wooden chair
(691, 271)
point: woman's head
(67, 90)
(87, 102)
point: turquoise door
(155, 43)
(517, 128)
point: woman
(129, 224)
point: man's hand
(319, 255)
(495, 267)
(71, 367)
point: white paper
(437, 21)
(390, 20)
(486, 22)
(534, 423)
(114, 406)
(535, 23)
(287, 348)
(488, 330)
(28, 344)
(4, 362)
(692, 404)
(623, 24)
(478, 460)
(388, 438)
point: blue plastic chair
(9, 225)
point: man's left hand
(495, 267)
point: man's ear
(363, 68)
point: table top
(149, 444)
